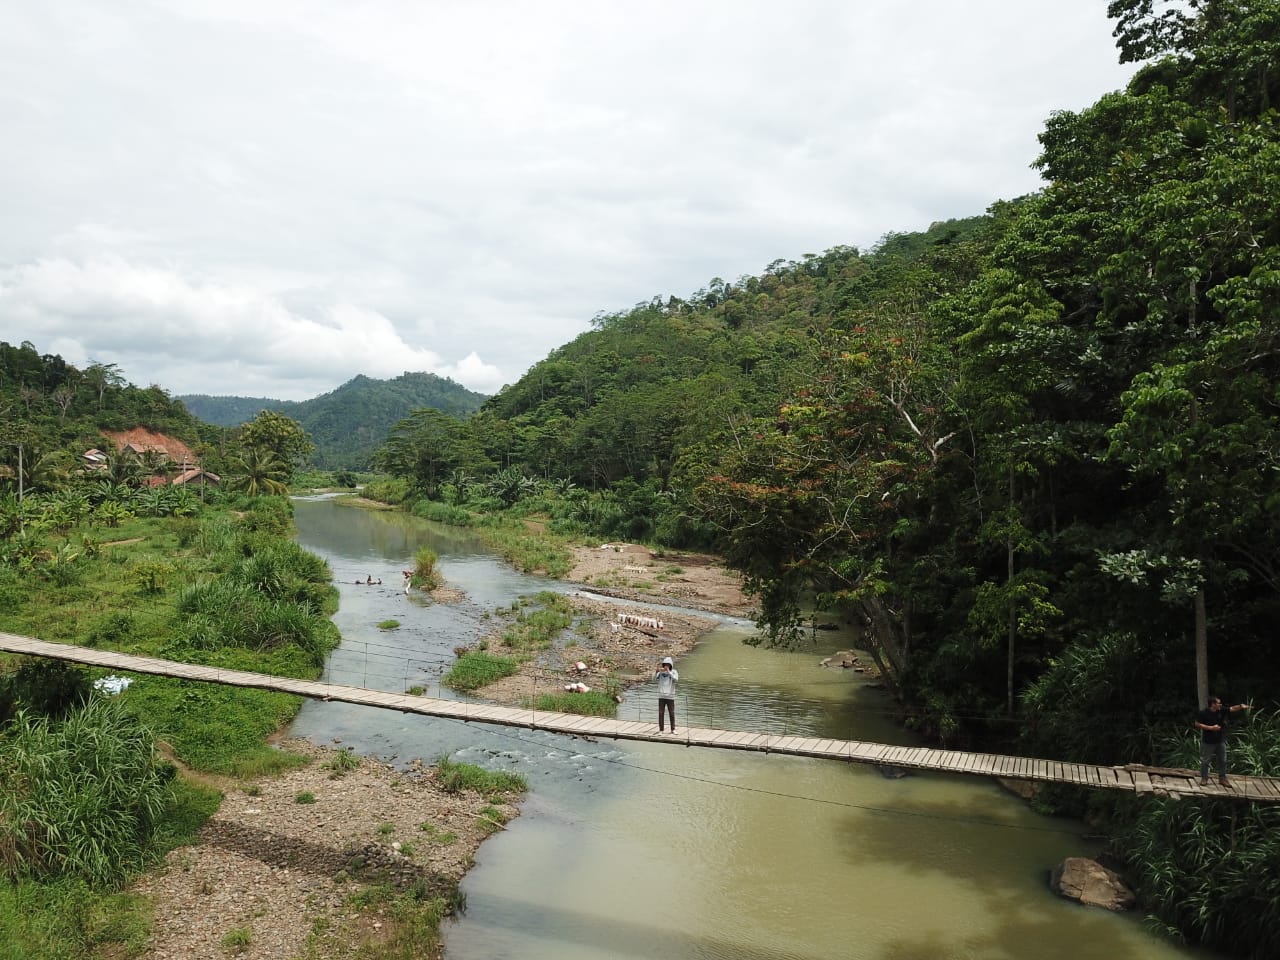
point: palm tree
(124, 469)
(259, 473)
(45, 471)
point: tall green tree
(278, 435)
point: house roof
(196, 475)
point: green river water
(655, 850)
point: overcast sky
(268, 197)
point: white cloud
(110, 308)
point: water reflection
(643, 850)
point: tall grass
(69, 920)
(454, 777)
(424, 569)
(443, 513)
(538, 622)
(528, 551)
(82, 794)
(593, 703)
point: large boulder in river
(1079, 878)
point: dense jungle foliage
(88, 795)
(1034, 454)
(113, 554)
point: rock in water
(1079, 878)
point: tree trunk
(883, 634)
(1013, 612)
(1202, 650)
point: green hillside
(349, 423)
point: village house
(163, 453)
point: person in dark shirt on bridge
(1212, 724)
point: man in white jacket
(667, 677)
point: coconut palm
(259, 473)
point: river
(645, 850)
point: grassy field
(226, 587)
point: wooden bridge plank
(916, 756)
(1140, 780)
(990, 762)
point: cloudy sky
(268, 197)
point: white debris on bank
(112, 684)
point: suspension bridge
(1134, 778)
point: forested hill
(648, 386)
(56, 408)
(349, 423)
(233, 411)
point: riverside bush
(1210, 869)
(424, 569)
(454, 777)
(43, 688)
(443, 513)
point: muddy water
(648, 850)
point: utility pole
(22, 526)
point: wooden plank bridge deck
(1156, 781)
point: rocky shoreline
(275, 870)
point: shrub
(424, 569)
(343, 762)
(43, 688)
(114, 630)
(443, 513)
(1211, 868)
(476, 669)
